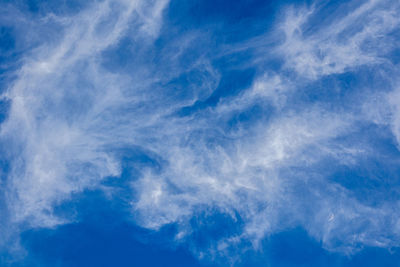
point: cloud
(72, 110)
(256, 175)
(52, 131)
(345, 42)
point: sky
(199, 133)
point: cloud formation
(269, 155)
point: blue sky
(199, 133)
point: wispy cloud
(71, 111)
(359, 38)
(52, 132)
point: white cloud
(357, 39)
(55, 137)
(69, 112)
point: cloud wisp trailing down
(272, 152)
